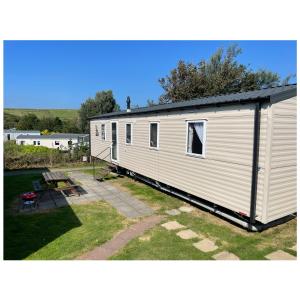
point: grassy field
(159, 243)
(62, 233)
(63, 114)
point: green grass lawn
(62, 233)
(63, 114)
(159, 243)
(65, 233)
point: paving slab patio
(187, 234)
(206, 245)
(125, 203)
(280, 255)
(172, 225)
(225, 255)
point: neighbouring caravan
(61, 141)
(233, 154)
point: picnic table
(55, 177)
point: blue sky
(62, 74)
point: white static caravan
(61, 141)
(233, 154)
(12, 134)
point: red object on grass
(29, 196)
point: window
(34, 142)
(128, 134)
(56, 143)
(39, 143)
(103, 137)
(22, 142)
(153, 136)
(196, 136)
(96, 130)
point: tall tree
(51, 124)
(29, 122)
(221, 74)
(103, 102)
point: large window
(128, 134)
(103, 136)
(154, 135)
(196, 136)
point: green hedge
(28, 156)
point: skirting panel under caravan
(219, 211)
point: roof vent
(128, 104)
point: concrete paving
(172, 225)
(280, 255)
(225, 255)
(173, 212)
(206, 245)
(122, 201)
(187, 234)
(186, 209)
(91, 191)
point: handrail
(109, 147)
(97, 156)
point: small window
(103, 136)
(56, 143)
(39, 143)
(70, 142)
(129, 134)
(153, 136)
(22, 142)
(196, 136)
(96, 130)
(34, 142)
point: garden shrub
(29, 156)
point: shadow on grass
(25, 234)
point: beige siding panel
(283, 171)
(222, 177)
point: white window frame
(117, 128)
(151, 147)
(131, 131)
(103, 139)
(204, 138)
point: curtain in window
(193, 130)
(199, 130)
(190, 137)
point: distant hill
(63, 114)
